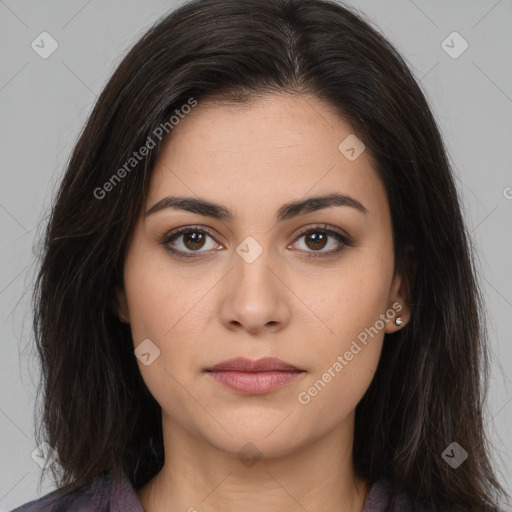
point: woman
(257, 290)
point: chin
(269, 438)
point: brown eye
(315, 240)
(193, 240)
(186, 241)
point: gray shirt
(109, 494)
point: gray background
(44, 103)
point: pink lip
(265, 364)
(254, 377)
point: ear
(400, 293)
(121, 305)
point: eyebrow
(285, 212)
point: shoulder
(105, 493)
(380, 499)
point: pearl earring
(399, 321)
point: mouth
(254, 377)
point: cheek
(334, 393)
(170, 311)
(348, 355)
(350, 306)
(148, 300)
(157, 302)
(350, 299)
(160, 310)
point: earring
(399, 321)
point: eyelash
(324, 229)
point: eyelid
(185, 229)
(327, 229)
(343, 238)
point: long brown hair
(429, 388)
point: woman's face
(252, 284)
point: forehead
(266, 151)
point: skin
(304, 310)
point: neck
(197, 476)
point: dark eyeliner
(343, 239)
(172, 235)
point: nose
(255, 296)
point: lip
(242, 364)
(254, 377)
